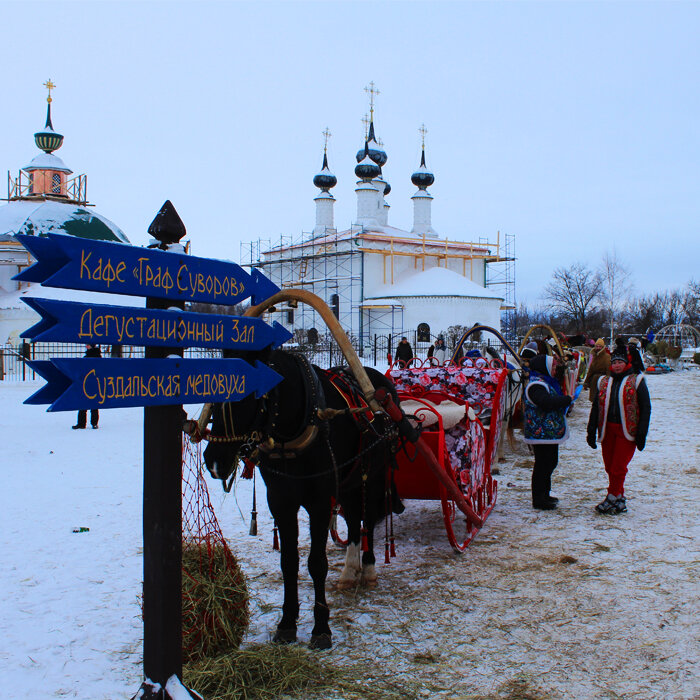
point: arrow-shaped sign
(106, 324)
(82, 383)
(70, 262)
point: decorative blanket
(477, 383)
(466, 442)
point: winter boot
(609, 505)
(621, 505)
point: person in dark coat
(404, 352)
(620, 416)
(544, 413)
(92, 351)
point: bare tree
(691, 303)
(615, 288)
(573, 292)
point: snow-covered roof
(48, 216)
(435, 282)
(47, 161)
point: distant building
(382, 280)
(42, 199)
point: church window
(290, 316)
(56, 183)
(335, 305)
(31, 183)
(312, 335)
(423, 333)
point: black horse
(310, 448)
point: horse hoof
(320, 641)
(369, 582)
(285, 637)
(346, 584)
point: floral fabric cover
(478, 384)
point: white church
(380, 279)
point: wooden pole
(162, 511)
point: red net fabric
(214, 591)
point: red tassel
(365, 546)
(275, 539)
(248, 468)
(393, 548)
(386, 553)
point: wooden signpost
(161, 383)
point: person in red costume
(620, 416)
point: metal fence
(324, 352)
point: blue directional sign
(82, 383)
(106, 324)
(70, 262)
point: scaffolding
(333, 265)
(500, 275)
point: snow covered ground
(564, 604)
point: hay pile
(274, 671)
(215, 613)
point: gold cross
(422, 131)
(365, 121)
(49, 86)
(326, 135)
(372, 92)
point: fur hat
(530, 350)
(600, 343)
(619, 353)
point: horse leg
(351, 572)
(286, 519)
(319, 518)
(369, 571)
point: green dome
(49, 216)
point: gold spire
(49, 86)
(326, 135)
(372, 91)
(422, 131)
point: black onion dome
(376, 152)
(387, 189)
(366, 168)
(325, 179)
(422, 178)
(48, 140)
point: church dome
(376, 153)
(39, 218)
(325, 180)
(366, 168)
(422, 178)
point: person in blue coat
(544, 414)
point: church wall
(441, 312)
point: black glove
(590, 439)
(641, 442)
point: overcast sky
(573, 126)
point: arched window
(335, 305)
(423, 333)
(312, 336)
(56, 183)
